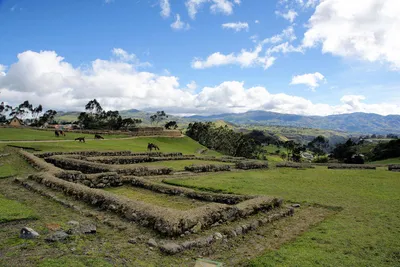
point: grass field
(184, 145)
(11, 210)
(365, 233)
(387, 161)
(18, 134)
(158, 199)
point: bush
(207, 168)
(394, 167)
(351, 166)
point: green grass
(158, 199)
(387, 161)
(12, 164)
(11, 210)
(184, 145)
(179, 165)
(19, 134)
(365, 233)
(74, 261)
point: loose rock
(28, 233)
(152, 243)
(57, 236)
(88, 229)
(218, 236)
(296, 205)
(171, 248)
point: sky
(308, 57)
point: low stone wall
(165, 220)
(190, 193)
(248, 165)
(93, 167)
(352, 166)
(394, 167)
(85, 153)
(295, 165)
(207, 168)
(100, 180)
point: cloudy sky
(312, 57)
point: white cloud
(165, 8)
(2, 70)
(290, 15)
(191, 87)
(245, 59)
(312, 80)
(286, 34)
(124, 56)
(108, 1)
(236, 26)
(46, 78)
(179, 25)
(363, 29)
(256, 21)
(253, 58)
(217, 6)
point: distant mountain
(354, 122)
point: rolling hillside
(354, 122)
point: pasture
(347, 217)
(21, 134)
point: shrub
(394, 167)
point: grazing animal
(152, 146)
(97, 136)
(62, 133)
(80, 139)
(56, 133)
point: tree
(319, 145)
(21, 110)
(345, 151)
(47, 117)
(171, 124)
(158, 117)
(93, 107)
(130, 123)
(4, 109)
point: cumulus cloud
(286, 34)
(165, 8)
(245, 59)
(253, 58)
(312, 80)
(179, 25)
(217, 6)
(2, 70)
(48, 79)
(367, 30)
(290, 15)
(236, 26)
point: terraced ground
(353, 215)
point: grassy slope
(184, 145)
(365, 233)
(11, 210)
(387, 161)
(14, 134)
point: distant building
(15, 122)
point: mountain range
(366, 123)
(353, 122)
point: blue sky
(291, 56)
